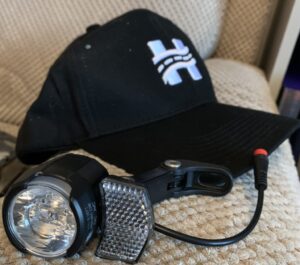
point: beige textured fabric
(33, 33)
(245, 27)
(276, 239)
(9, 128)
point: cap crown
(133, 70)
(137, 69)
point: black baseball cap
(135, 92)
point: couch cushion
(240, 84)
(275, 240)
(246, 28)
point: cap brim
(214, 133)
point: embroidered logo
(169, 61)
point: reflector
(128, 220)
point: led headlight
(42, 220)
(52, 210)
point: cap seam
(86, 111)
(145, 121)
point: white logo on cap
(169, 61)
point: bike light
(51, 210)
(54, 209)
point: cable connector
(261, 163)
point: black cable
(217, 242)
(260, 173)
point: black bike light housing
(52, 209)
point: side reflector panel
(128, 220)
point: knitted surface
(245, 30)
(275, 240)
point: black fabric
(215, 133)
(106, 94)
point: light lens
(41, 219)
